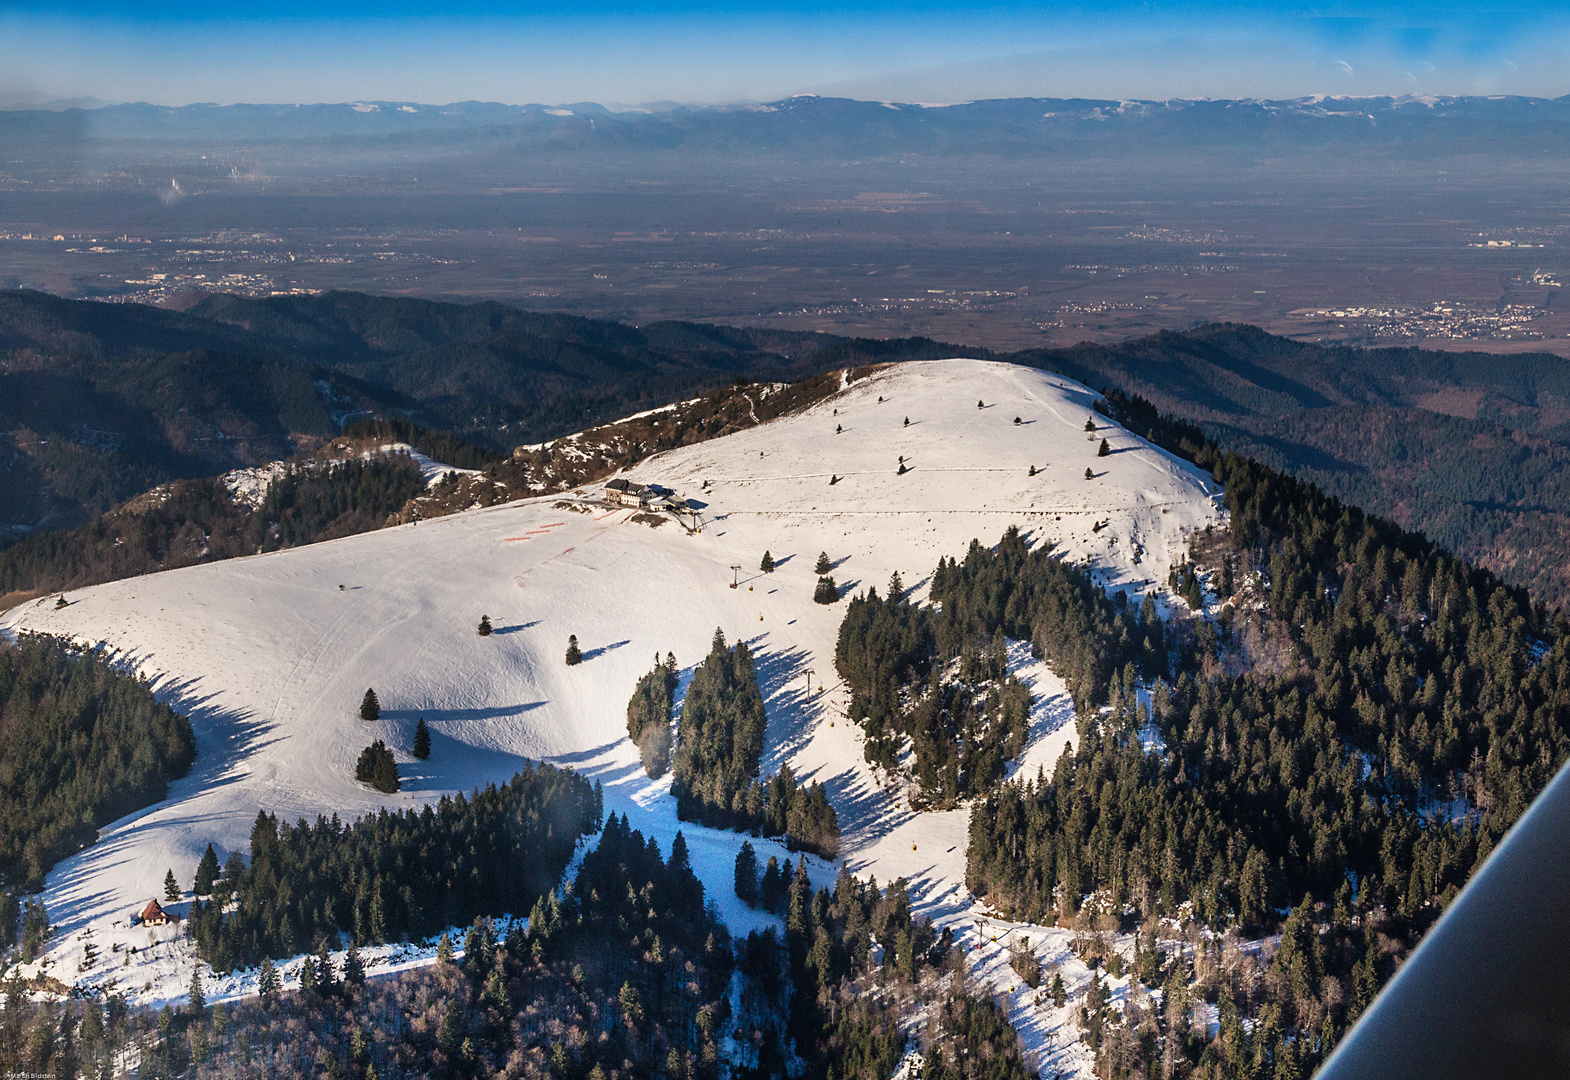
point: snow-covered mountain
(270, 655)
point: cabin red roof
(153, 911)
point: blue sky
(181, 51)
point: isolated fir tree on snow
(206, 872)
(422, 740)
(767, 565)
(574, 654)
(485, 626)
(370, 707)
(267, 980)
(827, 592)
(1090, 423)
(444, 950)
(171, 887)
(1089, 475)
(1105, 449)
(823, 566)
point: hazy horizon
(651, 52)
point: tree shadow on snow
(590, 654)
(515, 627)
(494, 712)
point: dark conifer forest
(81, 744)
(398, 875)
(719, 754)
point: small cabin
(154, 915)
(623, 492)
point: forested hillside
(625, 973)
(1344, 731)
(1467, 448)
(81, 744)
(404, 874)
(100, 402)
(194, 521)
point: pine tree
(980, 404)
(823, 566)
(370, 707)
(902, 470)
(631, 1006)
(422, 740)
(574, 654)
(747, 874)
(1032, 470)
(838, 429)
(326, 976)
(1090, 423)
(171, 887)
(353, 967)
(907, 421)
(1104, 450)
(444, 950)
(1089, 475)
(206, 872)
(827, 592)
(767, 565)
(198, 998)
(308, 975)
(1018, 421)
(267, 980)
(485, 626)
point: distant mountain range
(1012, 127)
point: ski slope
(270, 655)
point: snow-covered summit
(270, 655)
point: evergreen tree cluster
(853, 968)
(389, 876)
(719, 752)
(1411, 681)
(649, 715)
(625, 973)
(1417, 678)
(650, 961)
(377, 768)
(937, 675)
(81, 744)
